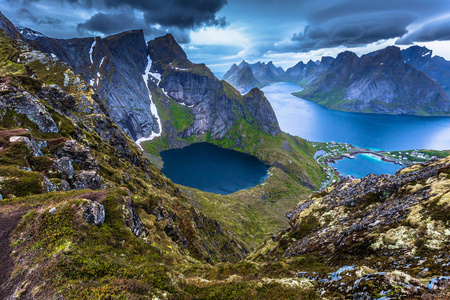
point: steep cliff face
(261, 111)
(378, 82)
(114, 67)
(214, 110)
(423, 60)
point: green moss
(8, 57)
(19, 183)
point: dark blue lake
(213, 169)
(365, 164)
(379, 132)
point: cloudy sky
(221, 32)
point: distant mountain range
(390, 80)
(247, 76)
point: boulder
(93, 212)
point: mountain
(303, 75)
(423, 60)
(247, 76)
(243, 79)
(114, 66)
(379, 82)
(195, 86)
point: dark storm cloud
(438, 30)
(354, 23)
(352, 31)
(110, 23)
(170, 13)
(39, 21)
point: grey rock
(93, 212)
(261, 110)
(52, 210)
(87, 180)
(42, 144)
(438, 283)
(378, 82)
(64, 167)
(47, 185)
(26, 104)
(78, 153)
(132, 219)
(31, 144)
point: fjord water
(365, 164)
(382, 132)
(213, 169)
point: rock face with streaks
(114, 66)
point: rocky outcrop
(27, 104)
(93, 212)
(379, 82)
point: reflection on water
(382, 132)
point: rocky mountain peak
(243, 64)
(326, 60)
(389, 56)
(416, 52)
(163, 50)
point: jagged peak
(164, 49)
(243, 64)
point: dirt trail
(8, 222)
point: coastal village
(330, 152)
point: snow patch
(92, 50)
(425, 54)
(156, 75)
(165, 93)
(153, 108)
(101, 62)
(176, 68)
